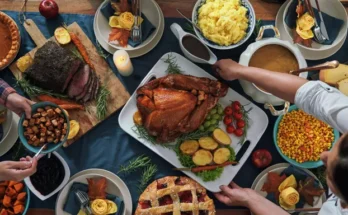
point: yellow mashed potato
(223, 21)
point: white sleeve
(325, 103)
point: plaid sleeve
(5, 90)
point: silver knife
(322, 23)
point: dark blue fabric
(107, 146)
(332, 24)
(146, 26)
(72, 204)
(300, 175)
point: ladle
(328, 65)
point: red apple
(261, 158)
(49, 9)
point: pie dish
(175, 195)
(10, 40)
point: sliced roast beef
(53, 67)
(85, 89)
(96, 90)
(88, 96)
(79, 81)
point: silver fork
(317, 32)
(136, 29)
(84, 200)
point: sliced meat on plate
(88, 95)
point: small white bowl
(61, 186)
(250, 29)
(7, 125)
(333, 8)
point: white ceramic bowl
(333, 8)
(149, 9)
(61, 186)
(7, 125)
(250, 30)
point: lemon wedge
(74, 129)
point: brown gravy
(195, 47)
(275, 58)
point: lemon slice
(113, 22)
(24, 62)
(74, 129)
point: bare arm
(281, 85)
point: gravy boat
(180, 34)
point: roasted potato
(202, 157)
(221, 155)
(137, 118)
(208, 143)
(221, 137)
(189, 147)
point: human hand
(228, 69)
(19, 104)
(17, 170)
(234, 195)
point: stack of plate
(317, 52)
(153, 13)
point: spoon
(189, 20)
(42, 148)
(328, 65)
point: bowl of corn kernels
(300, 138)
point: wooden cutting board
(119, 95)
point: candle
(123, 62)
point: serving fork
(84, 200)
(317, 32)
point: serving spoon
(328, 65)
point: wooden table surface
(265, 11)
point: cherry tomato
(230, 129)
(240, 123)
(228, 111)
(228, 120)
(237, 115)
(238, 132)
(236, 105)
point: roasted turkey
(176, 104)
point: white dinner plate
(258, 122)
(142, 49)
(12, 136)
(278, 168)
(307, 54)
(115, 186)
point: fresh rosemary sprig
(258, 25)
(173, 67)
(246, 119)
(76, 53)
(102, 102)
(101, 51)
(195, 135)
(146, 176)
(134, 164)
(33, 91)
(143, 134)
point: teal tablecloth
(107, 146)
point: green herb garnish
(34, 91)
(102, 99)
(173, 67)
(143, 134)
(210, 175)
(258, 25)
(195, 135)
(101, 51)
(134, 164)
(246, 119)
(146, 176)
(232, 154)
(189, 28)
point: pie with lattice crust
(177, 196)
(9, 40)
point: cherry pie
(175, 195)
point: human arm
(17, 170)
(13, 101)
(281, 85)
(314, 97)
(233, 195)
